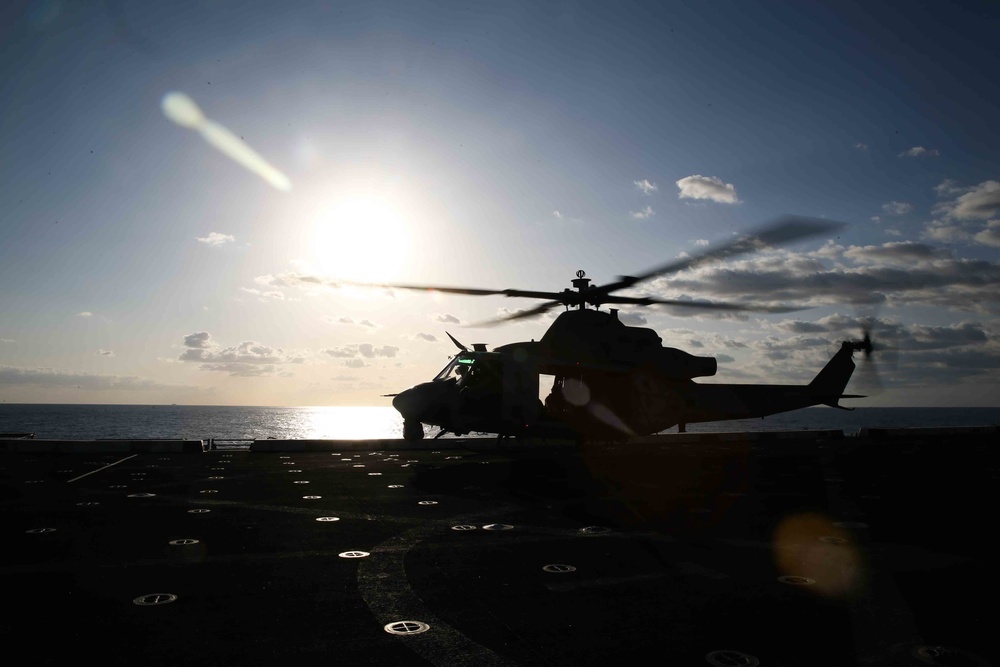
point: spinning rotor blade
(704, 305)
(520, 315)
(457, 344)
(783, 231)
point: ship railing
(223, 444)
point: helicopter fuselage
(609, 380)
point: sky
(186, 186)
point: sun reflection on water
(350, 423)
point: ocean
(196, 422)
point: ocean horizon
(203, 422)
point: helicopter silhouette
(610, 380)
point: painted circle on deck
(428, 502)
(328, 518)
(312, 497)
(301, 481)
(497, 526)
(208, 491)
(463, 527)
(559, 568)
(39, 531)
(153, 599)
(354, 554)
(88, 504)
(731, 659)
(375, 474)
(295, 470)
(595, 530)
(796, 581)
(395, 486)
(199, 511)
(406, 627)
(141, 495)
(183, 542)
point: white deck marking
(70, 481)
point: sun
(363, 239)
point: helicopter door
(520, 393)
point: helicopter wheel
(413, 430)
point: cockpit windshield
(456, 368)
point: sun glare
(362, 239)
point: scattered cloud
(981, 202)
(105, 353)
(900, 273)
(861, 147)
(366, 350)
(447, 319)
(632, 319)
(701, 242)
(643, 214)
(991, 235)
(201, 339)
(430, 338)
(265, 296)
(711, 188)
(920, 151)
(356, 363)
(346, 378)
(6, 340)
(897, 208)
(248, 359)
(558, 215)
(85, 313)
(971, 216)
(216, 239)
(646, 187)
(876, 219)
(50, 377)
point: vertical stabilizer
(830, 383)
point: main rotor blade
(457, 344)
(520, 315)
(705, 305)
(783, 231)
(469, 291)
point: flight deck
(778, 549)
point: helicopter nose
(413, 403)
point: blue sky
(492, 146)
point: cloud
(6, 340)
(900, 273)
(643, 214)
(346, 378)
(85, 313)
(646, 187)
(707, 187)
(249, 358)
(861, 147)
(50, 377)
(969, 217)
(216, 239)
(558, 215)
(701, 242)
(920, 151)
(201, 339)
(105, 353)
(270, 295)
(632, 319)
(948, 187)
(430, 338)
(355, 363)
(991, 235)
(447, 319)
(366, 350)
(897, 207)
(981, 202)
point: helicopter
(610, 380)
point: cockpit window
(456, 368)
